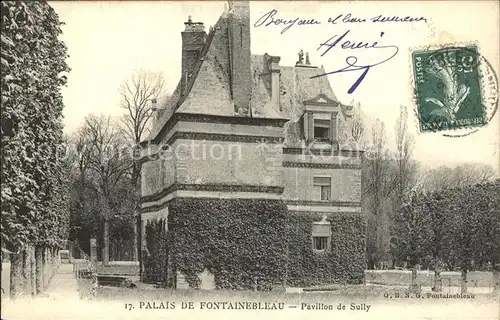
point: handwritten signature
(352, 61)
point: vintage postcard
(250, 159)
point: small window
(321, 235)
(320, 243)
(321, 130)
(322, 188)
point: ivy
(34, 178)
(255, 245)
(241, 242)
(343, 263)
(155, 256)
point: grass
(111, 293)
(426, 278)
(335, 292)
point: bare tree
(406, 168)
(109, 166)
(462, 175)
(137, 96)
(358, 128)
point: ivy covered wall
(252, 244)
(344, 263)
(241, 242)
(156, 253)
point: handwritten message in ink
(346, 41)
(271, 19)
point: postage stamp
(448, 88)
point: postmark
(456, 89)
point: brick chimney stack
(193, 41)
(240, 56)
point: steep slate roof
(209, 89)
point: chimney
(274, 62)
(239, 55)
(193, 41)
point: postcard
(250, 159)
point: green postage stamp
(448, 88)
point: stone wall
(228, 163)
(346, 183)
(157, 175)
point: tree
(405, 168)
(109, 162)
(84, 209)
(33, 189)
(455, 227)
(475, 222)
(438, 210)
(487, 239)
(358, 127)
(377, 184)
(414, 229)
(462, 175)
(137, 96)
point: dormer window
(322, 130)
(320, 120)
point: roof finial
(301, 57)
(307, 59)
(189, 19)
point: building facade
(269, 146)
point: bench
(115, 281)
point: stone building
(241, 126)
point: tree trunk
(105, 247)
(135, 253)
(45, 268)
(39, 270)
(438, 281)
(16, 275)
(414, 285)
(26, 270)
(463, 284)
(32, 270)
(48, 265)
(54, 261)
(496, 279)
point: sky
(107, 41)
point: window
(321, 235)
(322, 188)
(321, 130)
(320, 243)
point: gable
(321, 100)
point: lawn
(426, 278)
